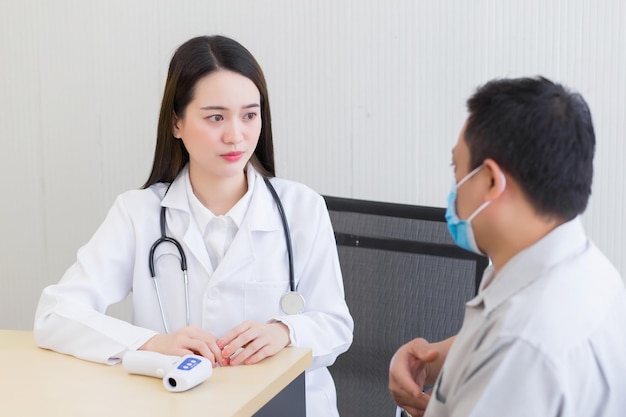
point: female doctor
(207, 208)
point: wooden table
(37, 382)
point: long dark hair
(193, 60)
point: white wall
(367, 100)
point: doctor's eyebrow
(247, 106)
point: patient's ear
(498, 179)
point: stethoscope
(291, 302)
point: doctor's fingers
(233, 334)
(255, 351)
(177, 344)
(196, 340)
(251, 355)
(207, 347)
(258, 342)
(209, 351)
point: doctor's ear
(175, 128)
(498, 179)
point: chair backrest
(404, 278)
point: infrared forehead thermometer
(178, 373)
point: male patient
(546, 334)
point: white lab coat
(247, 284)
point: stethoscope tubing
(183, 267)
(283, 217)
(183, 259)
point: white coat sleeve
(326, 326)
(70, 317)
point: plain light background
(367, 100)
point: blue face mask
(461, 230)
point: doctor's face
(221, 125)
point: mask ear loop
(468, 176)
(486, 203)
(503, 181)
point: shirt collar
(203, 215)
(567, 240)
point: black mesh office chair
(404, 278)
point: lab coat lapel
(181, 223)
(261, 216)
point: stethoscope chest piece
(292, 303)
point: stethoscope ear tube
(163, 238)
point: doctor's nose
(233, 134)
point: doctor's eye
(216, 118)
(250, 116)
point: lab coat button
(213, 293)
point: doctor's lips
(232, 156)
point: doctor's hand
(188, 340)
(412, 366)
(253, 342)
